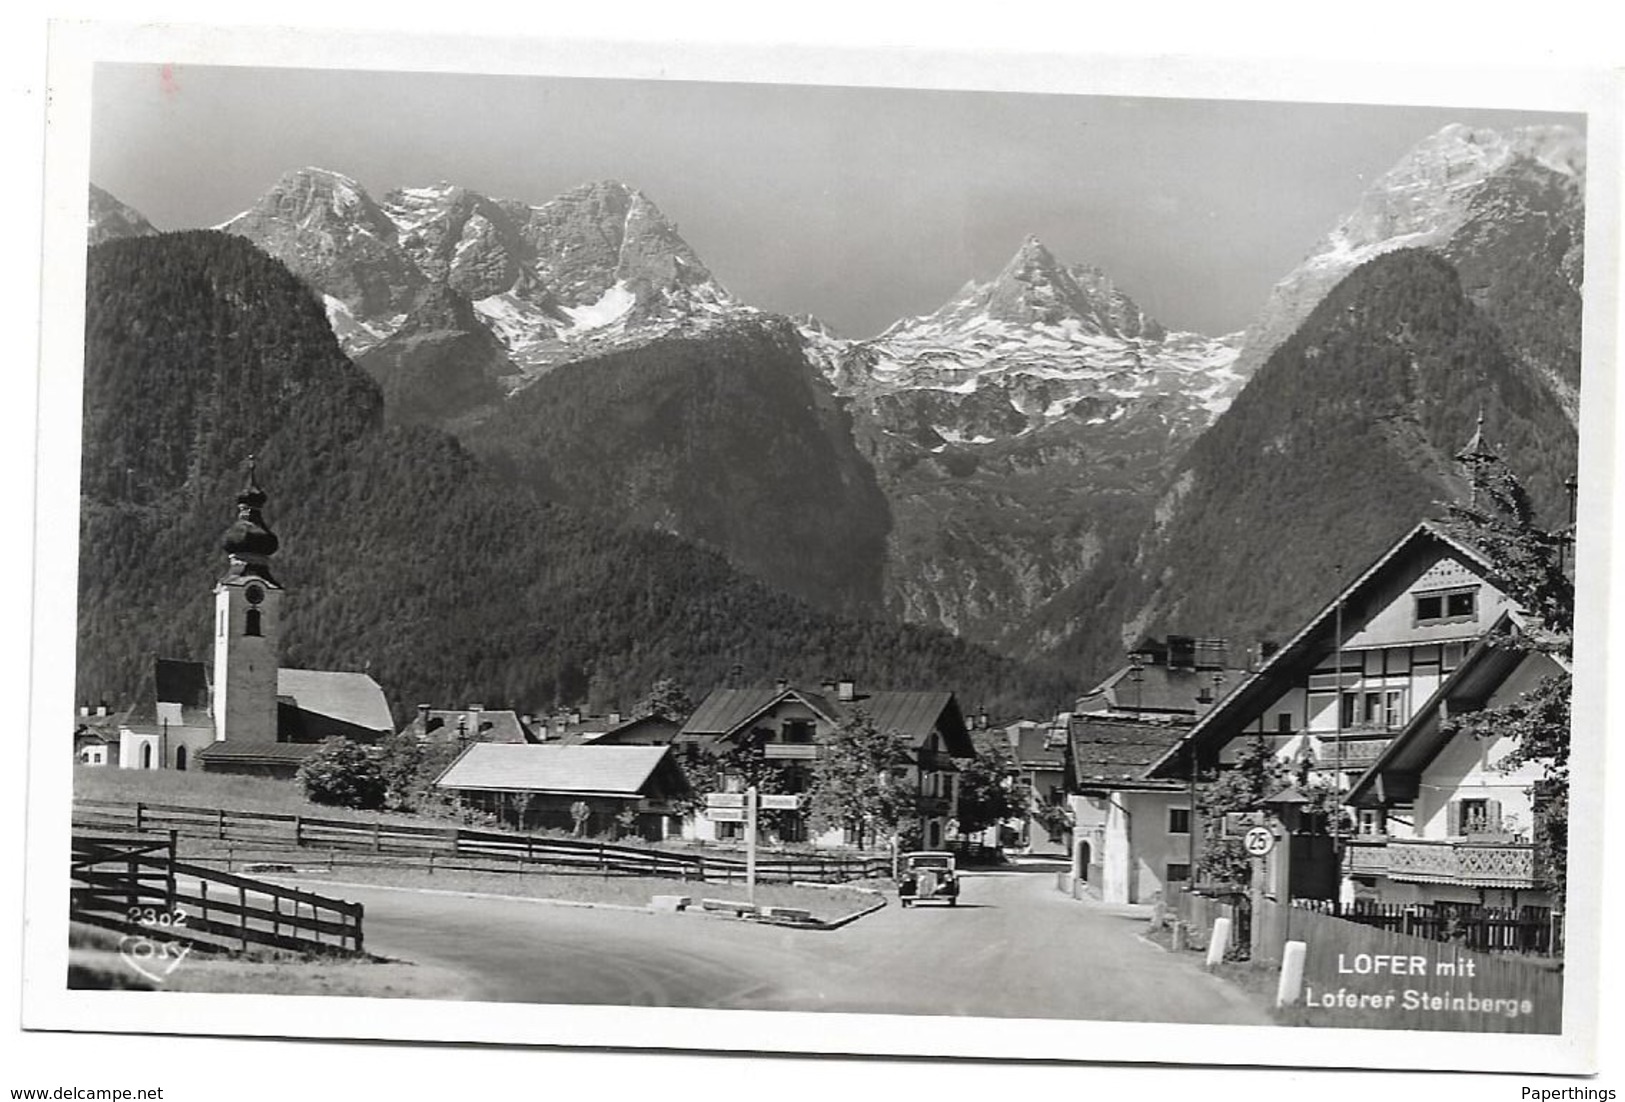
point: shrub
(344, 774)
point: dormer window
(1446, 606)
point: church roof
(353, 698)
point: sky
(857, 205)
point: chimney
(575, 715)
(781, 684)
(981, 721)
(846, 690)
(614, 719)
(828, 686)
(1181, 652)
(84, 709)
(101, 709)
(423, 717)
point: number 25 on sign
(1259, 841)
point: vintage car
(928, 875)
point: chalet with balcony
(1442, 819)
(785, 724)
(1338, 693)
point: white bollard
(1221, 939)
(1288, 991)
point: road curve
(1013, 948)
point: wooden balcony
(1473, 864)
(789, 751)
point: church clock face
(254, 594)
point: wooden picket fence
(134, 885)
(1537, 930)
(266, 834)
(1456, 989)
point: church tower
(247, 626)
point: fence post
(299, 831)
(169, 876)
(203, 900)
(220, 823)
(377, 845)
(140, 812)
(276, 916)
(357, 917)
(132, 871)
(1217, 943)
(242, 916)
(1290, 986)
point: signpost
(742, 807)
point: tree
(990, 788)
(1529, 560)
(667, 700)
(1258, 774)
(344, 774)
(855, 784)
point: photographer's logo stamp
(152, 952)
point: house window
(797, 730)
(730, 832)
(180, 758)
(1393, 709)
(251, 622)
(1372, 713)
(1178, 872)
(1179, 820)
(146, 755)
(1475, 816)
(1283, 722)
(1350, 709)
(1370, 821)
(1446, 607)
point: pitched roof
(173, 681)
(1267, 682)
(486, 725)
(1033, 750)
(643, 731)
(583, 770)
(1468, 688)
(353, 698)
(176, 681)
(259, 752)
(1118, 751)
(725, 711)
(1160, 688)
(915, 715)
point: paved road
(1014, 947)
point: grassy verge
(828, 904)
(94, 963)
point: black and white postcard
(822, 551)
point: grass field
(211, 790)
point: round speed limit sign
(1259, 841)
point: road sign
(1259, 841)
(780, 803)
(725, 814)
(724, 799)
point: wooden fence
(1483, 929)
(136, 886)
(265, 834)
(1361, 976)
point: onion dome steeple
(248, 541)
